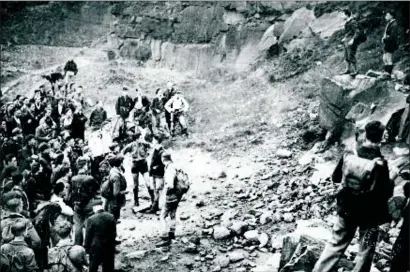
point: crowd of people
(60, 200)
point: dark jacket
(391, 37)
(29, 123)
(157, 106)
(119, 185)
(100, 232)
(71, 66)
(157, 167)
(367, 209)
(123, 106)
(12, 124)
(97, 117)
(83, 189)
(78, 125)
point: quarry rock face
(358, 101)
(299, 20)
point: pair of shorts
(169, 209)
(139, 166)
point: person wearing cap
(100, 234)
(118, 184)
(20, 255)
(177, 106)
(10, 214)
(170, 203)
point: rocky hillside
(255, 75)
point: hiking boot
(154, 208)
(171, 235)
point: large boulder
(271, 36)
(302, 248)
(326, 25)
(358, 100)
(293, 26)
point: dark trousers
(343, 233)
(114, 209)
(168, 119)
(103, 256)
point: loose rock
(221, 233)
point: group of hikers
(366, 184)
(355, 36)
(60, 201)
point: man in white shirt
(177, 106)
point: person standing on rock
(351, 41)
(362, 201)
(70, 70)
(100, 234)
(390, 43)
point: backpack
(15, 262)
(62, 253)
(182, 182)
(6, 224)
(106, 189)
(358, 173)
(4, 263)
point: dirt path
(139, 232)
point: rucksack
(182, 182)
(4, 263)
(106, 189)
(15, 262)
(358, 173)
(6, 224)
(63, 253)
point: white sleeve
(168, 105)
(186, 105)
